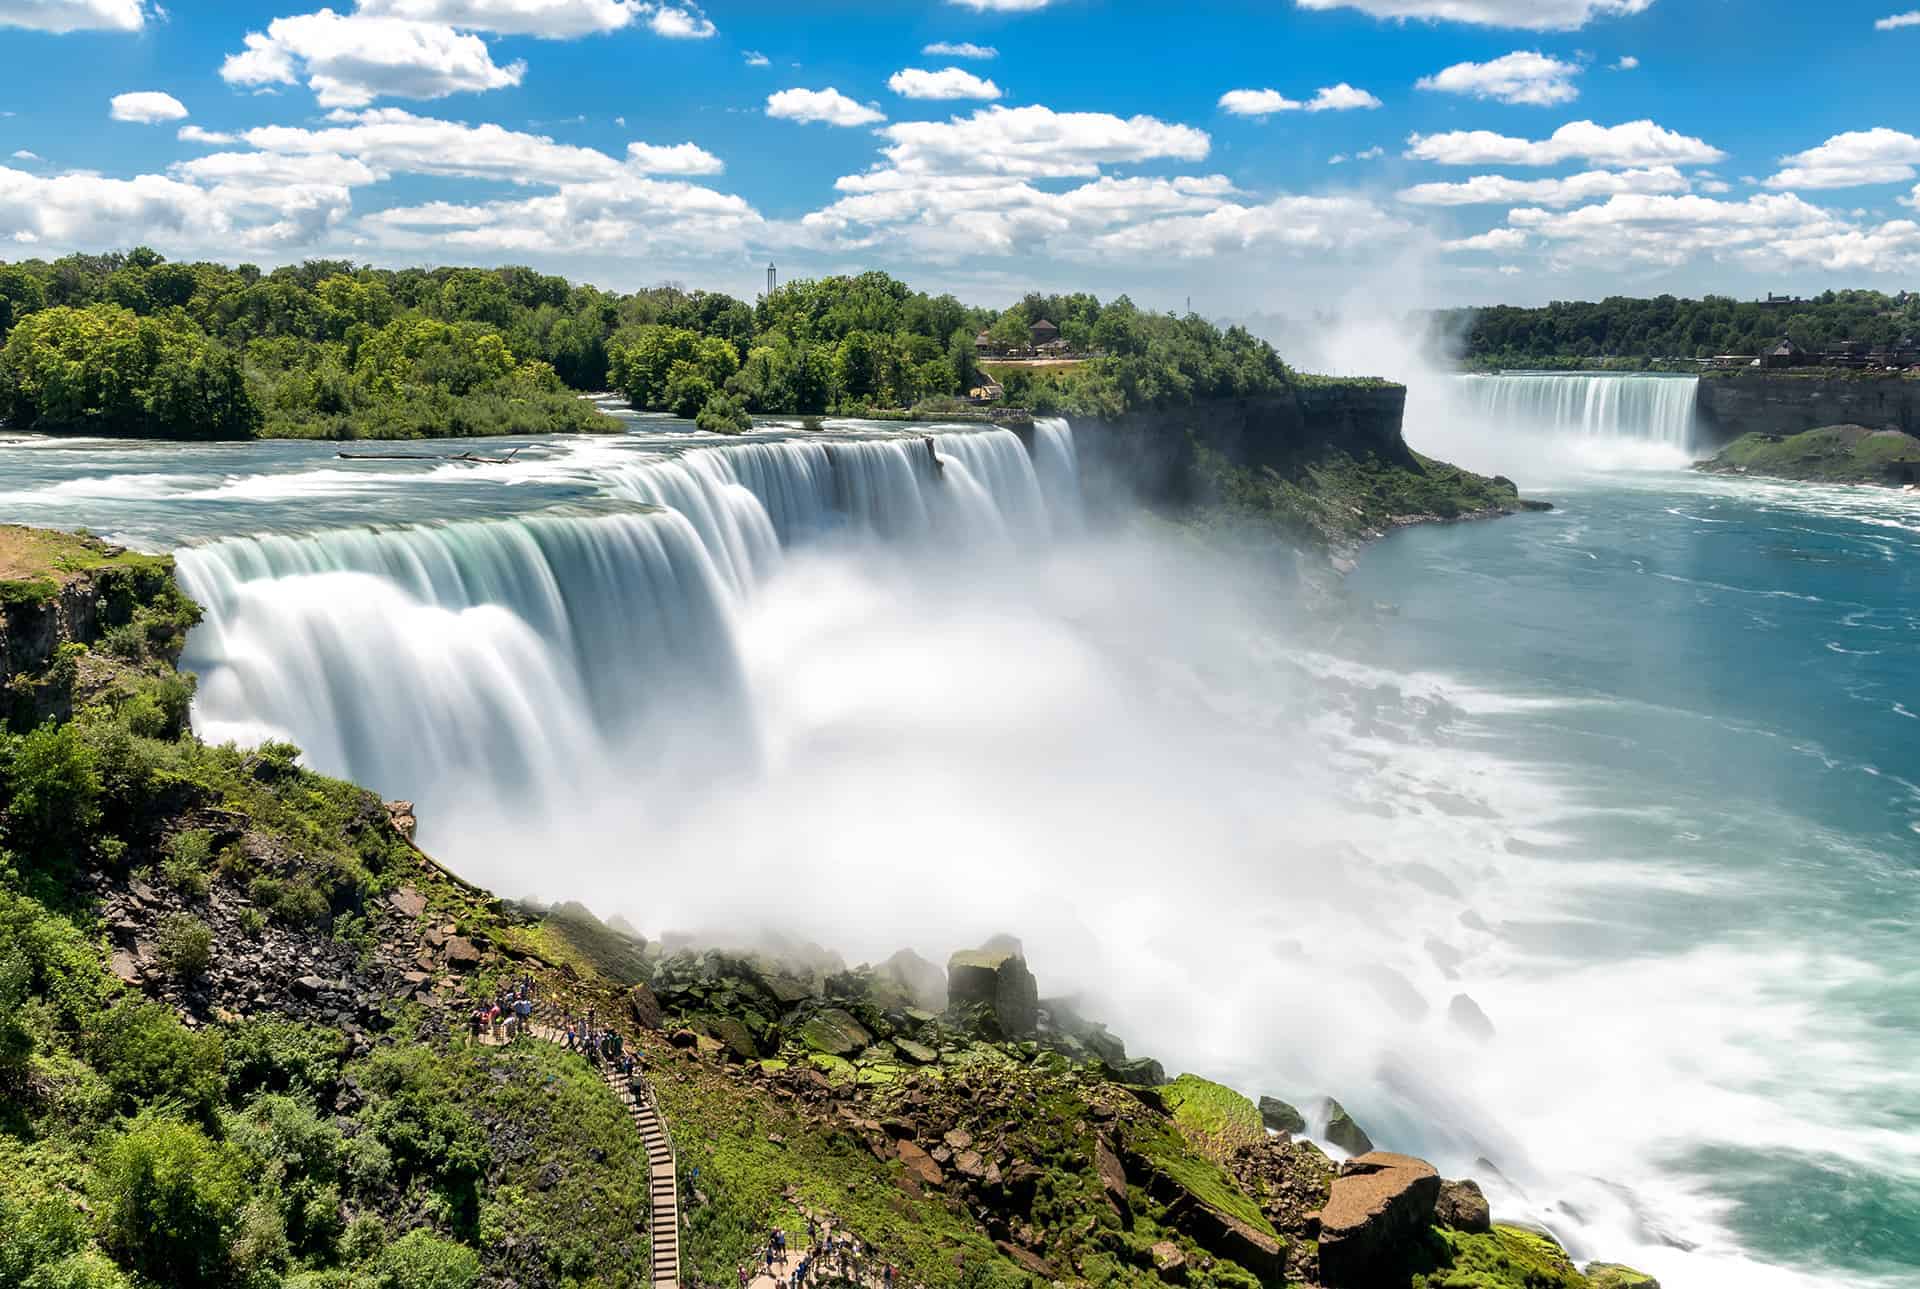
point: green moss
(1170, 1156)
(1611, 1275)
(1216, 1117)
(1506, 1257)
(1834, 454)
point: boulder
(461, 953)
(1113, 1180)
(734, 1037)
(407, 902)
(1381, 1205)
(1141, 1072)
(1169, 1261)
(1611, 1275)
(644, 1006)
(1034, 1264)
(1343, 1132)
(918, 1053)
(1280, 1116)
(835, 1033)
(919, 1164)
(1465, 1015)
(1462, 1206)
(400, 815)
(918, 980)
(999, 980)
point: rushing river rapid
(1640, 777)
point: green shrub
(148, 1057)
(87, 1269)
(168, 1200)
(724, 414)
(185, 865)
(422, 1260)
(185, 945)
(51, 789)
(283, 1056)
(252, 923)
(36, 1234)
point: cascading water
(493, 660)
(1652, 409)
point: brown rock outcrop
(1381, 1203)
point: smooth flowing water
(1638, 776)
(1602, 414)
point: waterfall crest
(1650, 409)
(489, 659)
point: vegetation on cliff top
(1833, 454)
(135, 345)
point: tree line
(1621, 327)
(133, 344)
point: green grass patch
(1215, 1116)
(1833, 454)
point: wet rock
(918, 1053)
(1396, 991)
(400, 815)
(998, 980)
(1465, 1015)
(1343, 1132)
(1281, 1117)
(1462, 1206)
(1381, 1204)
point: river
(1638, 776)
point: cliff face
(1153, 456)
(1761, 402)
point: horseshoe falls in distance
(1591, 410)
(479, 665)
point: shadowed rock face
(1280, 1116)
(1380, 1205)
(1463, 1207)
(997, 979)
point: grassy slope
(1834, 454)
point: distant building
(1054, 347)
(1043, 333)
(984, 342)
(1784, 354)
(1779, 301)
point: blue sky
(1271, 155)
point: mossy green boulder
(835, 1033)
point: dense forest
(1666, 326)
(133, 344)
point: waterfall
(506, 661)
(1649, 409)
(1057, 467)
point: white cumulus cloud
(948, 83)
(1893, 22)
(551, 19)
(1851, 160)
(62, 16)
(146, 107)
(1635, 143)
(1495, 239)
(351, 60)
(828, 106)
(1485, 190)
(1522, 77)
(194, 134)
(1265, 102)
(1037, 141)
(1626, 63)
(757, 59)
(679, 24)
(21, 154)
(1002, 6)
(1527, 15)
(678, 159)
(963, 49)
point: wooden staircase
(663, 1181)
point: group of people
(829, 1259)
(599, 1044)
(508, 1015)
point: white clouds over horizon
(1522, 77)
(1634, 143)
(1484, 190)
(351, 60)
(1893, 22)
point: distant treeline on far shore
(1667, 332)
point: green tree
(168, 1201)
